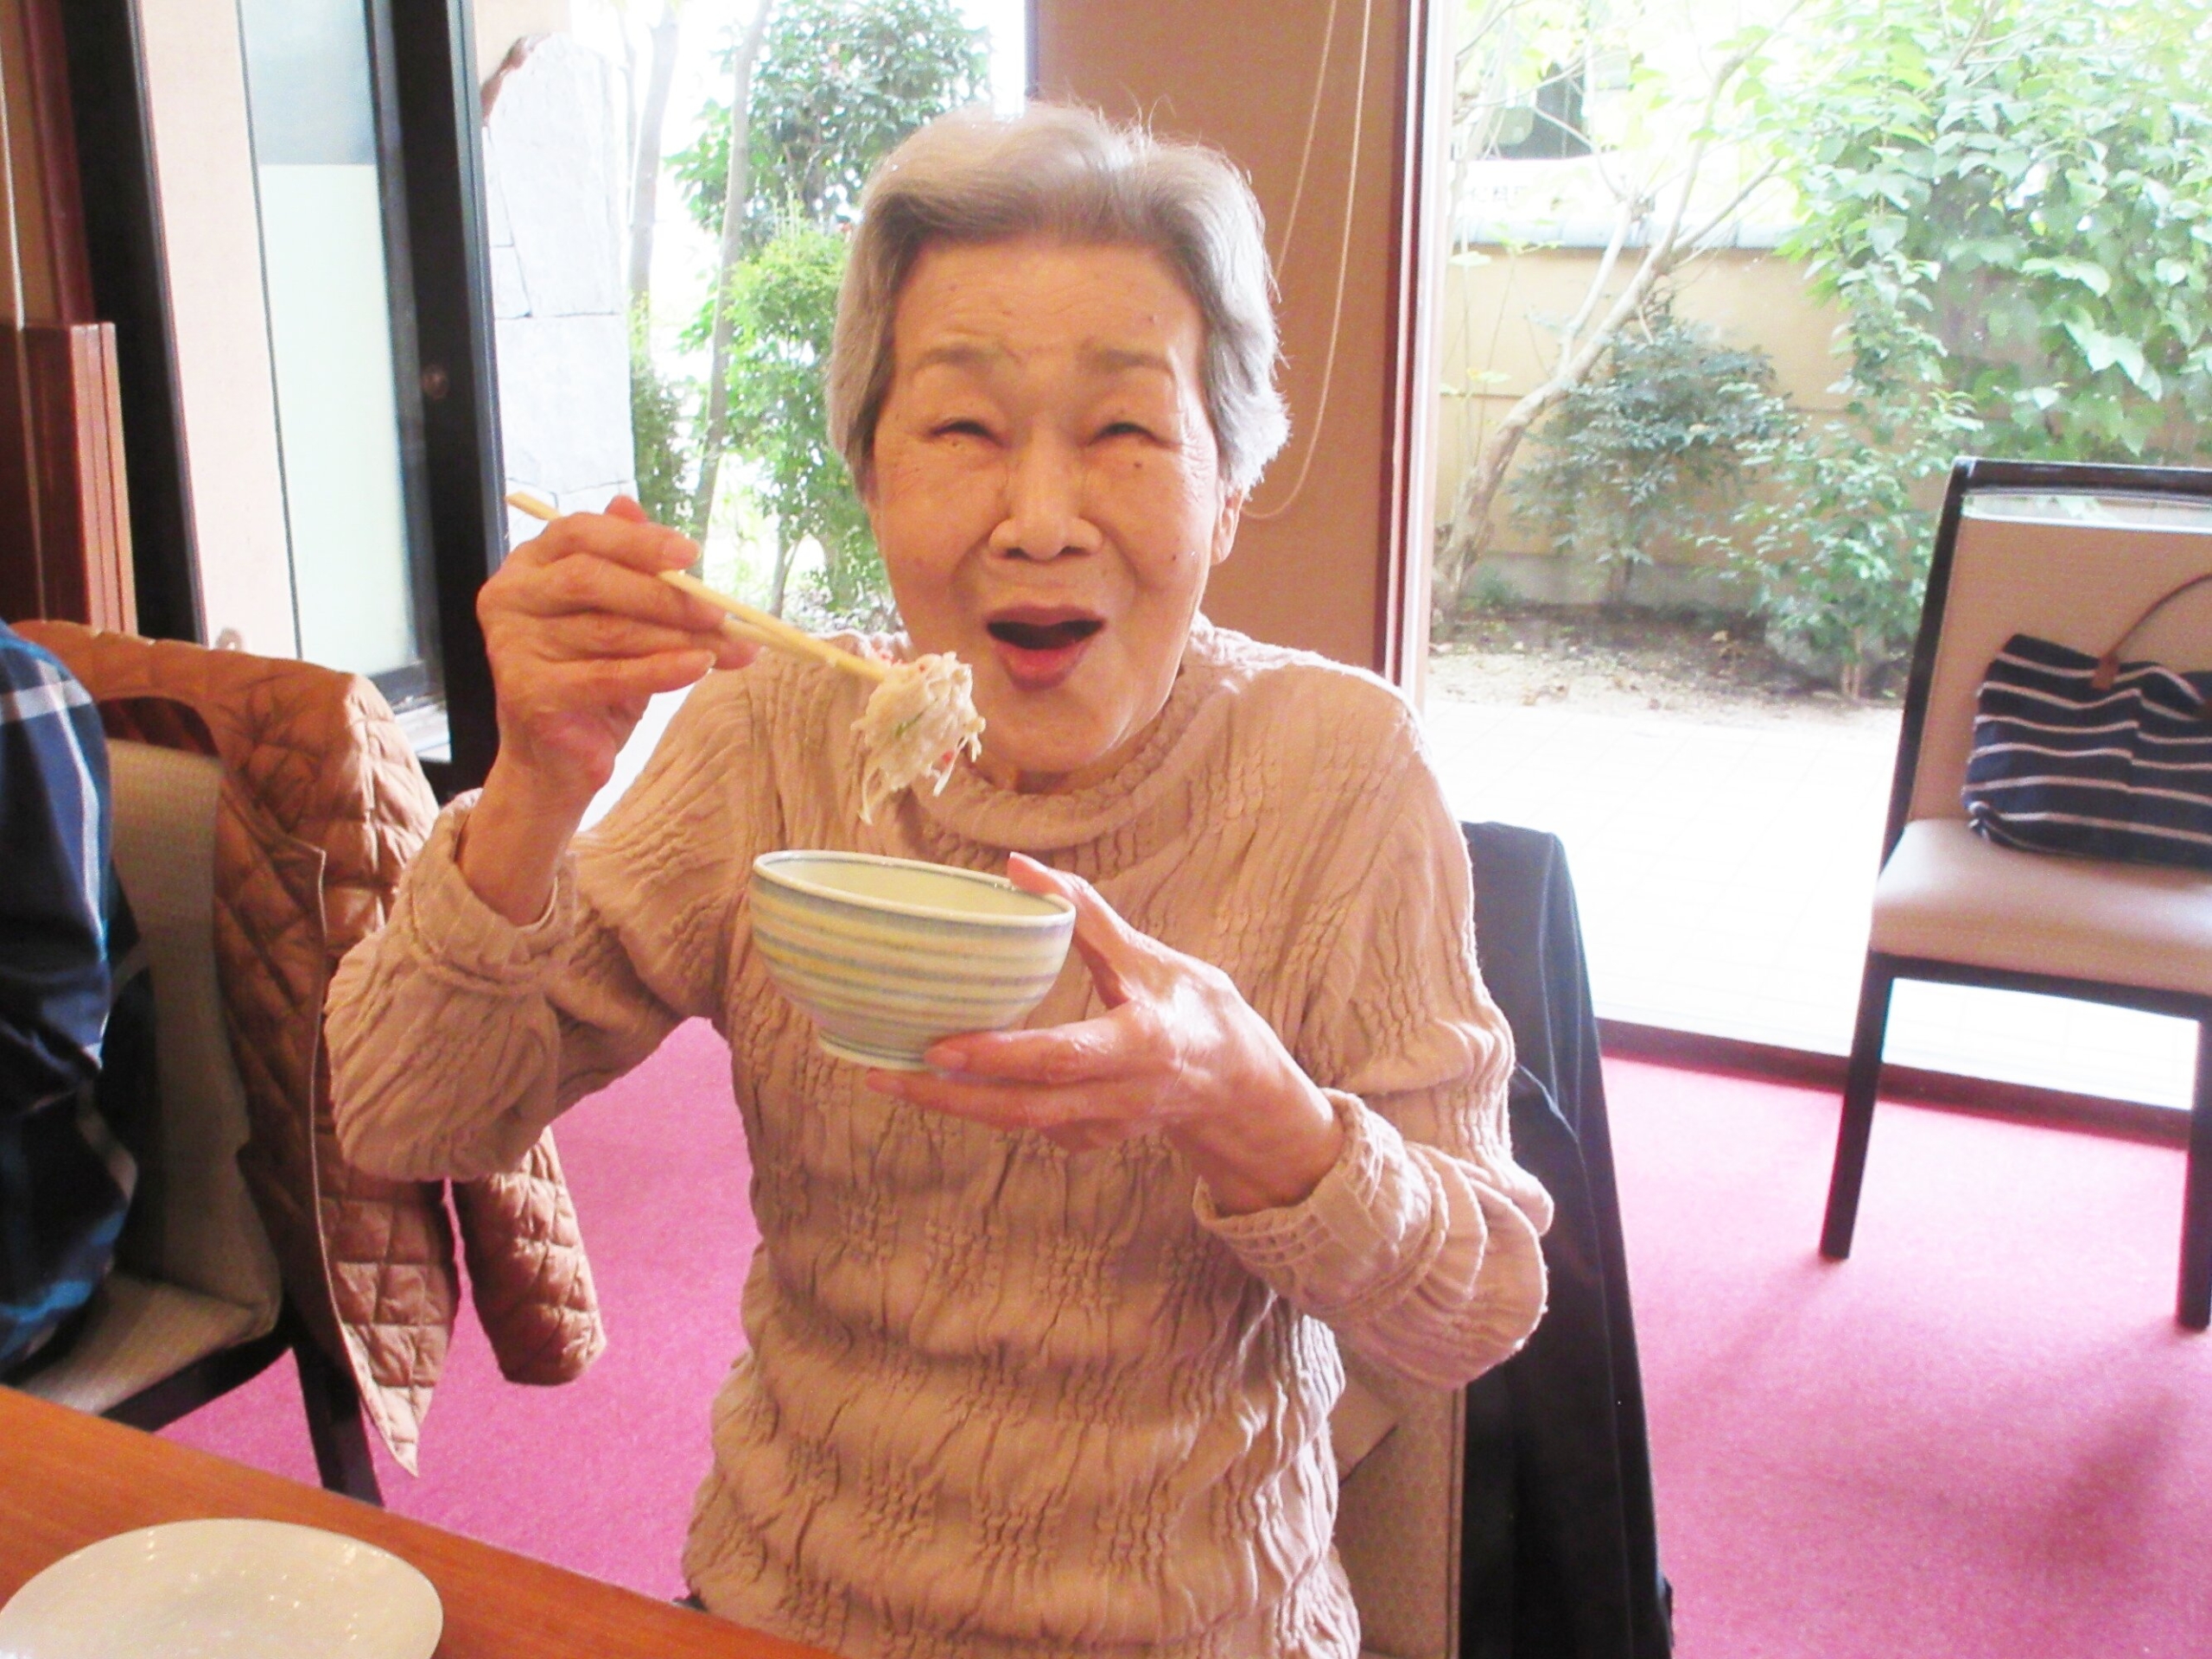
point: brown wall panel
(1311, 570)
(21, 584)
(78, 496)
(65, 539)
(55, 192)
(29, 278)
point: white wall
(554, 155)
(203, 158)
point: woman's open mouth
(1040, 649)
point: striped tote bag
(2092, 756)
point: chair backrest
(1516, 1513)
(193, 1224)
(1398, 1518)
(2069, 554)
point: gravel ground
(1633, 662)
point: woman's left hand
(1177, 1052)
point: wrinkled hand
(582, 631)
(1177, 1052)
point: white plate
(224, 1590)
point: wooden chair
(196, 1306)
(2073, 554)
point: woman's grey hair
(1067, 173)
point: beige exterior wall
(1500, 311)
(500, 23)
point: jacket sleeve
(456, 1036)
(54, 861)
(1420, 1248)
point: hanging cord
(1343, 243)
(1313, 121)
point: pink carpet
(597, 1475)
(1982, 1437)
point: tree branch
(645, 160)
(1470, 529)
(1623, 221)
(737, 189)
(1697, 239)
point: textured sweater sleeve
(1420, 1247)
(456, 1036)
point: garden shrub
(2029, 184)
(1834, 547)
(2013, 201)
(1649, 450)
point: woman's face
(1047, 491)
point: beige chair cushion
(193, 1225)
(197, 1274)
(1398, 1515)
(1949, 894)
(1357, 1425)
(139, 1334)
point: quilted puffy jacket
(323, 806)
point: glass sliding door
(341, 352)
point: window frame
(430, 161)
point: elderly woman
(1044, 1341)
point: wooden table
(67, 1480)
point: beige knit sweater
(1001, 1399)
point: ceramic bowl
(886, 954)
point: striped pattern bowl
(886, 954)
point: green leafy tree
(835, 86)
(2012, 199)
(782, 303)
(839, 84)
(1509, 86)
(1650, 448)
(656, 430)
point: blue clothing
(66, 948)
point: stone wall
(554, 164)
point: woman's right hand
(582, 632)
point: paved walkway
(1725, 875)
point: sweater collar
(975, 809)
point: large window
(281, 208)
(655, 336)
(1709, 349)
(370, 245)
(337, 343)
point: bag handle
(2107, 669)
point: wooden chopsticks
(747, 622)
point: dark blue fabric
(1559, 1551)
(67, 945)
(2060, 767)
